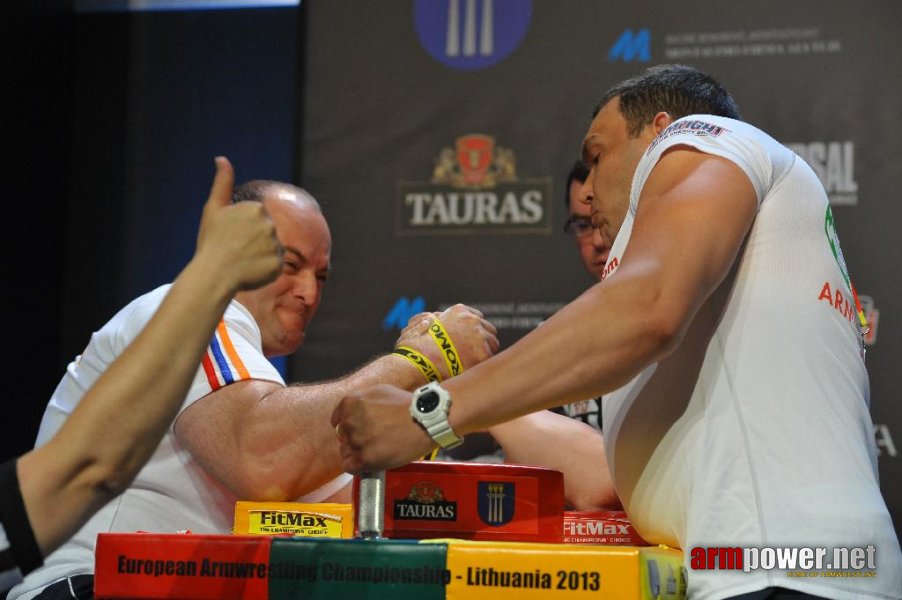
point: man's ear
(661, 121)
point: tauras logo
(834, 164)
(425, 502)
(441, 511)
(474, 189)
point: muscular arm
(694, 214)
(119, 422)
(268, 442)
(570, 446)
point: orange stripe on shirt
(230, 350)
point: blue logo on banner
(495, 502)
(471, 34)
(401, 312)
(632, 47)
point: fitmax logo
(401, 312)
(632, 47)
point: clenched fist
(376, 431)
(471, 334)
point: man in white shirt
(241, 433)
(726, 339)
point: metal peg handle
(371, 505)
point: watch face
(427, 402)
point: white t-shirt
(172, 492)
(756, 431)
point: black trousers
(80, 587)
(777, 593)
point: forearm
(131, 397)
(120, 420)
(558, 442)
(284, 445)
(590, 347)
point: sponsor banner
(475, 189)
(505, 315)
(448, 168)
(401, 312)
(471, 35)
(201, 567)
(521, 315)
(473, 501)
(393, 570)
(886, 446)
(684, 46)
(295, 518)
(834, 163)
(872, 315)
(196, 567)
(425, 502)
(600, 527)
(499, 570)
(632, 46)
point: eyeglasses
(578, 226)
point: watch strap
(442, 434)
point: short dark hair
(679, 90)
(579, 173)
(255, 191)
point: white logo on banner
(755, 43)
(486, 35)
(475, 188)
(471, 34)
(834, 163)
(514, 315)
(884, 440)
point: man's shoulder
(147, 302)
(132, 317)
(702, 128)
(239, 318)
(757, 153)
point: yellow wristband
(449, 352)
(423, 364)
(432, 454)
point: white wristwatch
(429, 408)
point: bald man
(240, 432)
